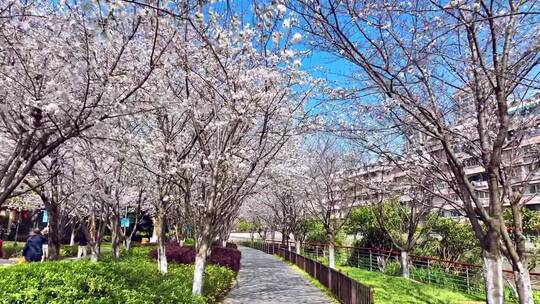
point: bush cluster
(68, 251)
(10, 251)
(227, 257)
(133, 279)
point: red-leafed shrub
(177, 253)
(228, 257)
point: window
(471, 162)
(482, 177)
(533, 189)
(454, 213)
(482, 195)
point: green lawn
(392, 290)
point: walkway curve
(263, 278)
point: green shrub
(189, 242)
(10, 251)
(133, 279)
(392, 268)
(68, 251)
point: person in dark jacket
(81, 240)
(32, 251)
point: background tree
(420, 58)
(329, 191)
(58, 83)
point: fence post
(370, 260)
(428, 272)
(468, 284)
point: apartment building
(391, 179)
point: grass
(313, 281)
(391, 289)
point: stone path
(265, 279)
(4, 262)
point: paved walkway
(265, 279)
(4, 262)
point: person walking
(82, 243)
(45, 246)
(33, 249)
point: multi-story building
(522, 160)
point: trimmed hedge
(228, 257)
(132, 280)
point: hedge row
(10, 251)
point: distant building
(392, 181)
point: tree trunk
(128, 244)
(115, 240)
(297, 245)
(54, 233)
(159, 229)
(72, 238)
(177, 233)
(331, 252)
(494, 277)
(154, 237)
(162, 257)
(518, 257)
(523, 284)
(94, 252)
(404, 262)
(200, 264)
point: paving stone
(265, 279)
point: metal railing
(448, 274)
(344, 288)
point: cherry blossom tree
(63, 70)
(447, 72)
(330, 190)
(402, 208)
(52, 179)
